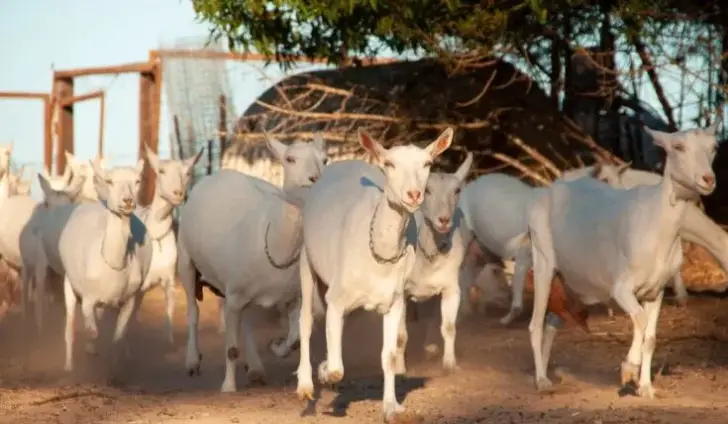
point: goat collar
(286, 264)
(381, 259)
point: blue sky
(40, 35)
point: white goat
(495, 207)
(366, 260)
(696, 227)
(105, 251)
(82, 170)
(29, 242)
(615, 244)
(170, 191)
(18, 185)
(238, 233)
(442, 241)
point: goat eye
(457, 190)
(290, 160)
(679, 147)
(162, 172)
(137, 182)
(427, 190)
(326, 161)
(109, 182)
(428, 164)
(388, 164)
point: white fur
(442, 242)
(616, 244)
(105, 252)
(222, 236)
(170, 191)
(359, 239)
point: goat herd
(348, 235)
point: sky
(42, 35)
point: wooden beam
(141, 67)
(223, 55)
(24, 95)
(65, 122)
(47, 133)
(75, 99)
(102, 119)
(222, 125)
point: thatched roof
(494, 109)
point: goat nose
(414, 195)
(127, 201)
(177, 193)
(443, 220)
(709, 179)
(313, 179)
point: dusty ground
(494, 384)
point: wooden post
(146, 133)
(222, 126)
(48, 133)
(65, 123)
(178, 137)
(209, 157)
(100, 147)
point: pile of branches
(498, 113)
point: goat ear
(319, 142)
(623, 168)
(67, 172)
(441, 144)
(371, 145)
(464, 168)
(597, 169)
(46, 173)
(69, 157)
(276, 147)
(45, 186)
(10, 147)
(660, 138)
(99, 173)
(139, 167)
(152, 158)
(711, 130)
(191, 162)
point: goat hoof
(646, 391)
(510, 316)
(279, 348)
(629, 372)
(431, 350)
(450, 368)
(392, 410)
(256, 376)
(329, 377)
(228, 387)
(305, 392)
(193, 370)
(544, 385)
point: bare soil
(494, 384)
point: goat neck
(283, 235)
(115, 243)
(433, 244)
(159, 217)
(387, 231)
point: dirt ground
(494, 384)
